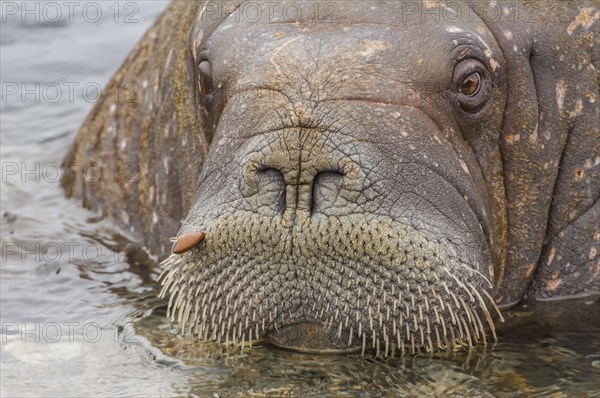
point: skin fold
(369, 176)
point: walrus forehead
(435, 24)
(384, 12)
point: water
(81, 319)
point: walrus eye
(471, 84)
(206, 79)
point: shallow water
(80, 318)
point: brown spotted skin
(147, 141)
(551, 153)
(331, 164)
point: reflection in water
(79, 310)
(537, 356)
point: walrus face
(342, 202)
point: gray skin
(354, 192)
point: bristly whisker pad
(373, 287)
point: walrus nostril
(187, 241)
(272, 180)
(325, 187)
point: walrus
(355, 175)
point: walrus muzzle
(312, 244)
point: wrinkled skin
(357, 187)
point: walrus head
(355, 174)
(341, 205)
